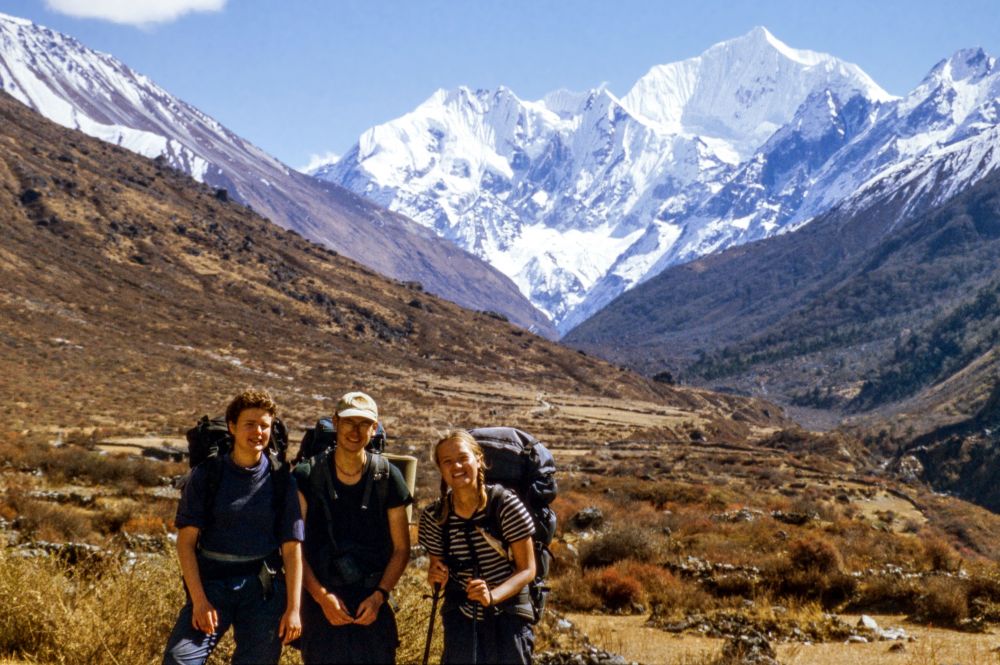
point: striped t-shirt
(515, 524)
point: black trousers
(500, 638)
(326, 644)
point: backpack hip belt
(230, 558)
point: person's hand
(368, 609)
(204, 617)
(290, 627)
(334, 610)
(479, 592)
(437, 573)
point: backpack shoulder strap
(213, 479)
(280, 474)
(494, 501)
(323, 490)
(440, 505)
(378, 476)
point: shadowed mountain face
(132, 297)
(897, 326)
(960, 458)
(101, 96)
(851, 312)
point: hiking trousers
(240, 603)
(500, 638)
(326, 644)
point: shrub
(830, 589)
(940, 556)
(47, 521)
(682, 597)
(618, 544)
(661, 494)
(944, 601)
(615, 591)
(886, 594)
(115, 613)
(572, 592)
(815, 554)
(654, 579)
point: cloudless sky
(305, 77)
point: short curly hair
(251, 398)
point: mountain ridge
(84, 89)
(132, 296)
(748, 140)
(616, 175)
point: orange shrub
(615, 591)
(145, 524)
(815, 554)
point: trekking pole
(475, 606)
(475, 621)
(430, 626)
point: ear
(232, 428)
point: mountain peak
(7, 18)
(741, 90)
(760, 36)
(970, 64)
(967, 64)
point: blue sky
(306, 77)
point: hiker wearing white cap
(357, 543)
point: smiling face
(251, 432)
(354, 432)
(459, 463)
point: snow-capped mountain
(928, 146)
(95, 93)
(577, 197)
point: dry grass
(107, 614)
(121, 613)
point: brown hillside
(133, 298)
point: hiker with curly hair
(487, 612)
(239, 523)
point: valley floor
(632, 638)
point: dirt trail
(630, 637)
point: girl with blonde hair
(483, 557)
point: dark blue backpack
(517, 461)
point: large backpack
(518, 461)
(208, 443)
(319, 442)
(324, 437)
(211, 438)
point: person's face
(354, 432)
(251, 432)
(458, 464)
